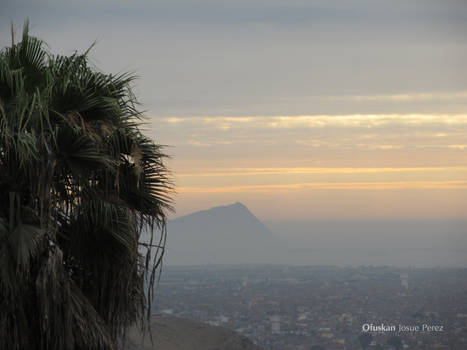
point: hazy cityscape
(322, 285)
(298, 307)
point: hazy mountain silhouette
(226, 220)
(228, 234)
(231, 234)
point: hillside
(172, 333)
(224, 221)
(228, 234)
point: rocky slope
(172, 333)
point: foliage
(79, 183)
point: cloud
(220, 172)
(394, 185)
(439, 96)
(323, 121)
(459, 147)
(319, 139)
(253, 57)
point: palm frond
(78, 183)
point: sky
(301, 110)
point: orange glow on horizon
(396, 185)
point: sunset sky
(301, 110)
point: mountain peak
(222, 220)
(228, 209)
(236, 205)
(223, 234)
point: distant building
(404, 280)
(275, 324)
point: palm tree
(79, 183)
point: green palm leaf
(78, 184)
